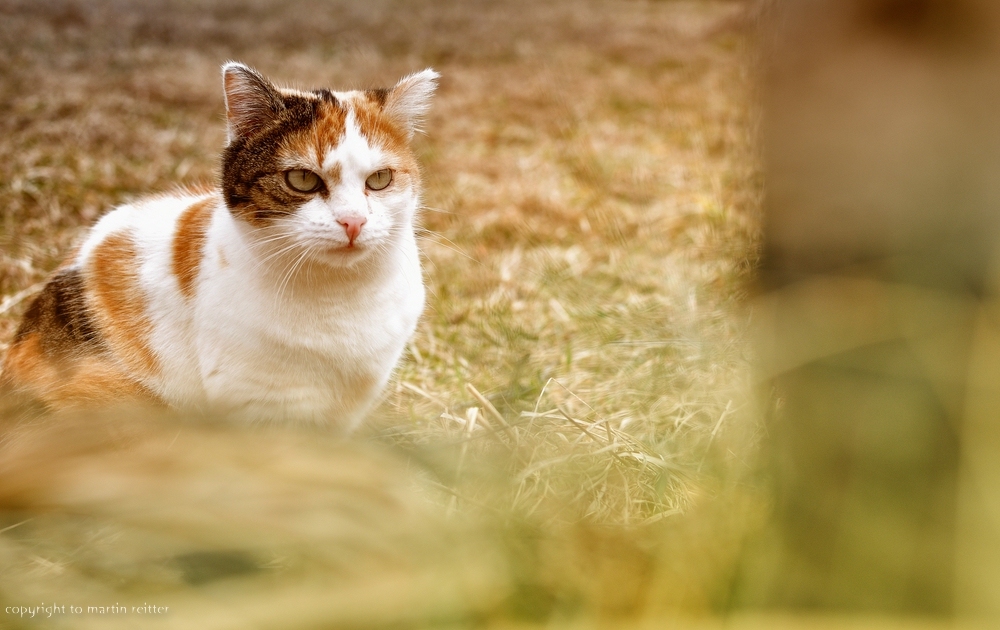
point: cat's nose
(352, 225)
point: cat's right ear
(251, 101)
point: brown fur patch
(329, 128)
(69, 382)
(98, 381)
(252, 177)
(115, 297)
(379, 96)
(60, 354)
(60, 317)
(326, 132)
(379, 130)
(24, 362)
(189, 244)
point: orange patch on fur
(189, 244)
(23, 361)
(72, 382)
(97, 382)
(116, 299)
(377, 129)
(380, 132)
(313, 142)
(328, 128)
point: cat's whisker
(290, 274)
(436, 210)
(261, 264)
(451, 244)
(283, 245)
(272, 237)
(283, 275)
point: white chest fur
(316, 344)
(319, 346)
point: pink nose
(352, 225)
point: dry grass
(576, 393)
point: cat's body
(288, 293)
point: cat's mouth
(335, 246)
(339, 251)
(343, 253)
(349, 248)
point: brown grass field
(569, 438)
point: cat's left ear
(408, 102)
(251, 101)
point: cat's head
(326, 174)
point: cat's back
(141, 262)
(89, 336)
(152, 226)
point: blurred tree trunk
(878, 309)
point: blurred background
(709, 341)
(877, 310)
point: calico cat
(288, 292)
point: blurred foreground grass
(568, 440)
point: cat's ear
(251, 101)
(408, 102)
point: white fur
(282, 325)
(411, 98)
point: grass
(560, 441)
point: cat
(288, 292)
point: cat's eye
(379, 179)
(303, 180)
